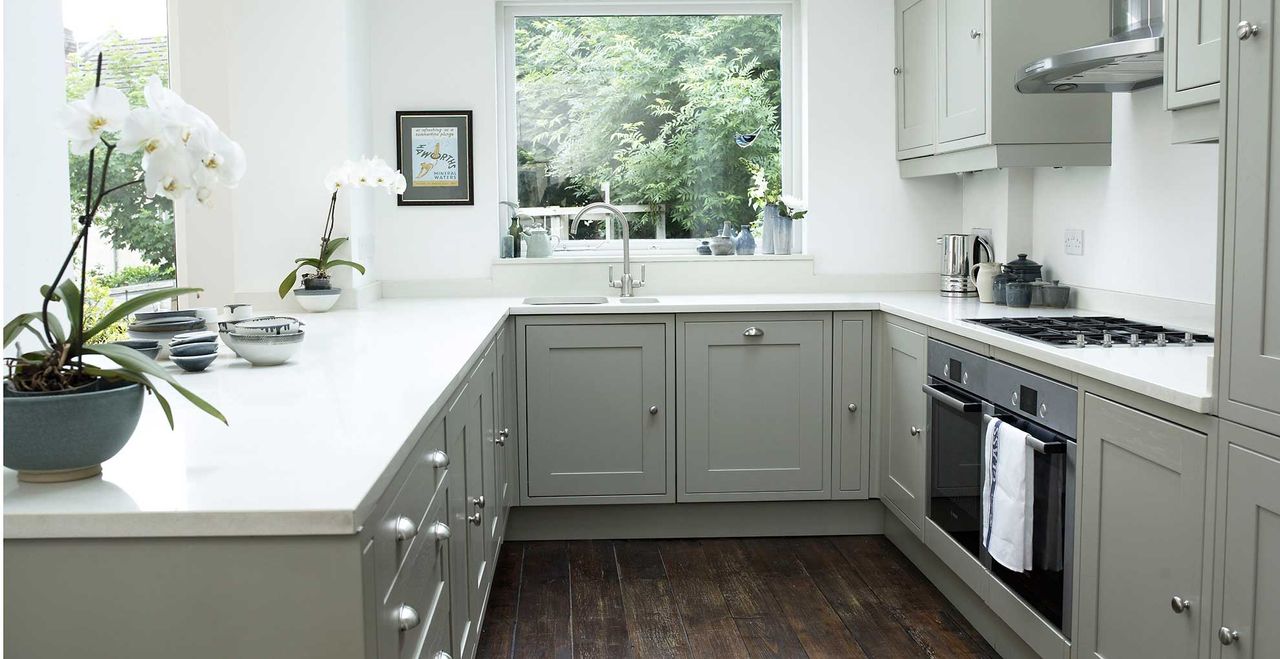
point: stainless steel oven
(966, 392)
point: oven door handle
(1038, 445)
(964, 407)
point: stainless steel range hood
(1133, 58)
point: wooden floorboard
(846, 597)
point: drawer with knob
(417, 604)
(401, 524)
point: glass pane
(133, 246)
(667, 116)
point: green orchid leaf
(132, 305)
(289, 280)
(30, 322)
(350, 264)
(136, 362)
(122, 374)
(69, 293)
(332, 248)
(315, 263)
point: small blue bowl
(193, 364)
(193, 349)
(145, 346)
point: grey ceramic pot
(61, 437)
(1018, 294)
(316, 283)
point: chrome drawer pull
(1227, 636)
(1244, 31)
(442, 655)
(439, 531)
(475, 519)
(753, 331)
(478, 502)
(915, 432)
(1179, 605)
(853, 407)
(438, 459)
(407, 617)
(653, 409)
(405, 528)
(501, 439)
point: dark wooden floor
(847, 596)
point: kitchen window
(672, 111)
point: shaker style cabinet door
(596, 412)
(464, 424)
(1142, 530)
(754, 408)
(916, 71)
(962, 68)
(1247, 623)
(1195, 51)
(851, 406)
(1249, 300)
(903, 433)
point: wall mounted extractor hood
(1133, 58)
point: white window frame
(789, 68)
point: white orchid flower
(338, 178)
(102, 110)
(217, 156)
(398, 184)
(794, 204)
(169, 173)
(145, 129)
(161, 98)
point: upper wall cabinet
(1249, 297)
(956, 62)
(1193, 62)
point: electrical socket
(1073, 242)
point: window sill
(561, 258)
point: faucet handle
(613, 283)
(639, 284)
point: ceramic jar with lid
(1023, 269)
(998, 284)
(1056, 295)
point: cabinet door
(511, 426)
(754, 402)
(502, 449)
(917, 73)
(1249, 302)
(1142, 529)
(962, 69)
(902, 449)
(1249, 563)
(1195, 38)
(463, 422)
(851, 417)
(596, 412)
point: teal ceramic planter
(52, 438)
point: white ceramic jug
(539, 243)
(984, 275)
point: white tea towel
(1008, 478)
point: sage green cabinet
(902, 426)
(851, 406)
(1142, 527)
(1193, 59)
(917, 78)
(597, 408)
(754, 406)
(962, 69)
(1248, 567)
(1249, 296)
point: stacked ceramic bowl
(265, 340)
(194, 351)
(162, 326)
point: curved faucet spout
(627, 283)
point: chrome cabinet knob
(853, 407)
(897, 71)
(405, 528)
(753, 331)
(500, 440)
(1246, 30)
(441, 655)
(975, 33)
(1179, 605)
(438, 459)
(653, 409)
(407, 617)
(915, 432)
(476, 519)
(1227, 636)
(478, 502)
(440, 531)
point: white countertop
(313, 443)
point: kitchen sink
(566, 299)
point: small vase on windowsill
(782, 228)
(768, 224)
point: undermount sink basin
(638, 300)
(566, 299)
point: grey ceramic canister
(745, 243)
(769, 218)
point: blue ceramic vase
(745, 243)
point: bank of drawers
(413, 618)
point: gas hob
(1093, 331)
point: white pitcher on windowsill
(539, 243)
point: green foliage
(651, 105)
(127, 218)
(54, 367)
(322, 266)
(134, 274)
(97, 304)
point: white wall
(864, 219)
(37, 217)
(1149, 220)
